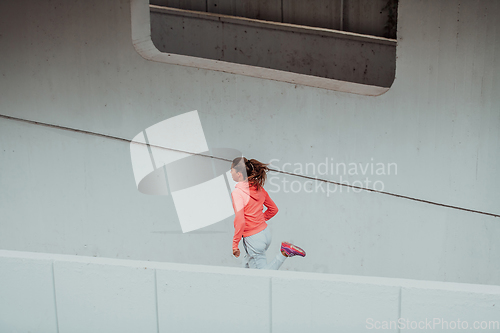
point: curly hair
(255, 171)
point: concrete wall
(360, 16)
(73, 64)
(315, 52)
(366, 17)
(58, 293)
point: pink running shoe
(292, 250)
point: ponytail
(255, 171)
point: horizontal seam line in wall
(224, 159)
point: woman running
(249, 197)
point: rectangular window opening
(343, 45)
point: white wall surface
(72, 63)
(85, 294)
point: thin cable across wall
(65, 128)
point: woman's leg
(256, 246)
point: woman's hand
(236, 253)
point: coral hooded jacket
(248, 202)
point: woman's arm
(272, 209)
(239, 218)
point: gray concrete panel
(27, 298)
(320, 306)
(105, 298)
(314, 13)
(449, 310)
(322, 54)
(198, 5)
(366, 16)
(212, 302)
(269, 10)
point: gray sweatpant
(256, 247)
